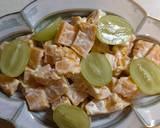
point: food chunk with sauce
(108, 105)
(57, 89)
(82, 85)
(76, 96)
(53, 53)
(141, 48)
(29, 79)
(125, 49)
(8, 85)
(70, 62)
(123, 63)
(36, 99)
(59, 101)
(125, 88)
(45, 75)
(76, 20)
(67, 66)
(119, 63)
(36, 55)
(94, 17)
(154, 54)
(99, 93)
(84, 40)
(66, 34)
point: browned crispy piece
(57, 89)
(99, 93)
(29, 79)
(82, 85)
(59, 101)
(66, 34)
(45, 75)
(154, 54)
(100, 47)
(108, 105)
(125, 88)
(8, 85)
(76, 20)
(125, 49)
(89, 30)
(36, 99)
(94, 17)
(53, 53)
(76, 96)
(121, 59)
(70, 54)
(40, 76)
(84, 40)
(70, 62)
(141, 48)
(66, 66)
(36, 55)
(123, 63)
(82, 44)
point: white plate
(145, 112)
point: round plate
(144, 112)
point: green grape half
(114, 30)
(49, 32)
(146, 74)
(68, 116)
(96, 69)
(14, 58)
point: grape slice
(14, 58)
(48, 32)
(114, 30)
(67, 116)
(146, 74)
(96, 69)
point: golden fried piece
(29, 80)
(66, 66)
(100, 47)
(82, 85)
(111, 104)
(99, 93)
(36, 99)
(84, 40)
(66, 34)
(59, 101)
(141, 48)
(123, 63)
(70, 62)
(53, 53)
(82, 44)
(8, 85)
(40, 76)
(36, 55)
(45, 75)
(154, 54)
(94, 17)
(125, 49)
(57, 89)
(118, 62)
(126, 88)
(76, 96)
(89, 29)
(76, 20)
(70, 54)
